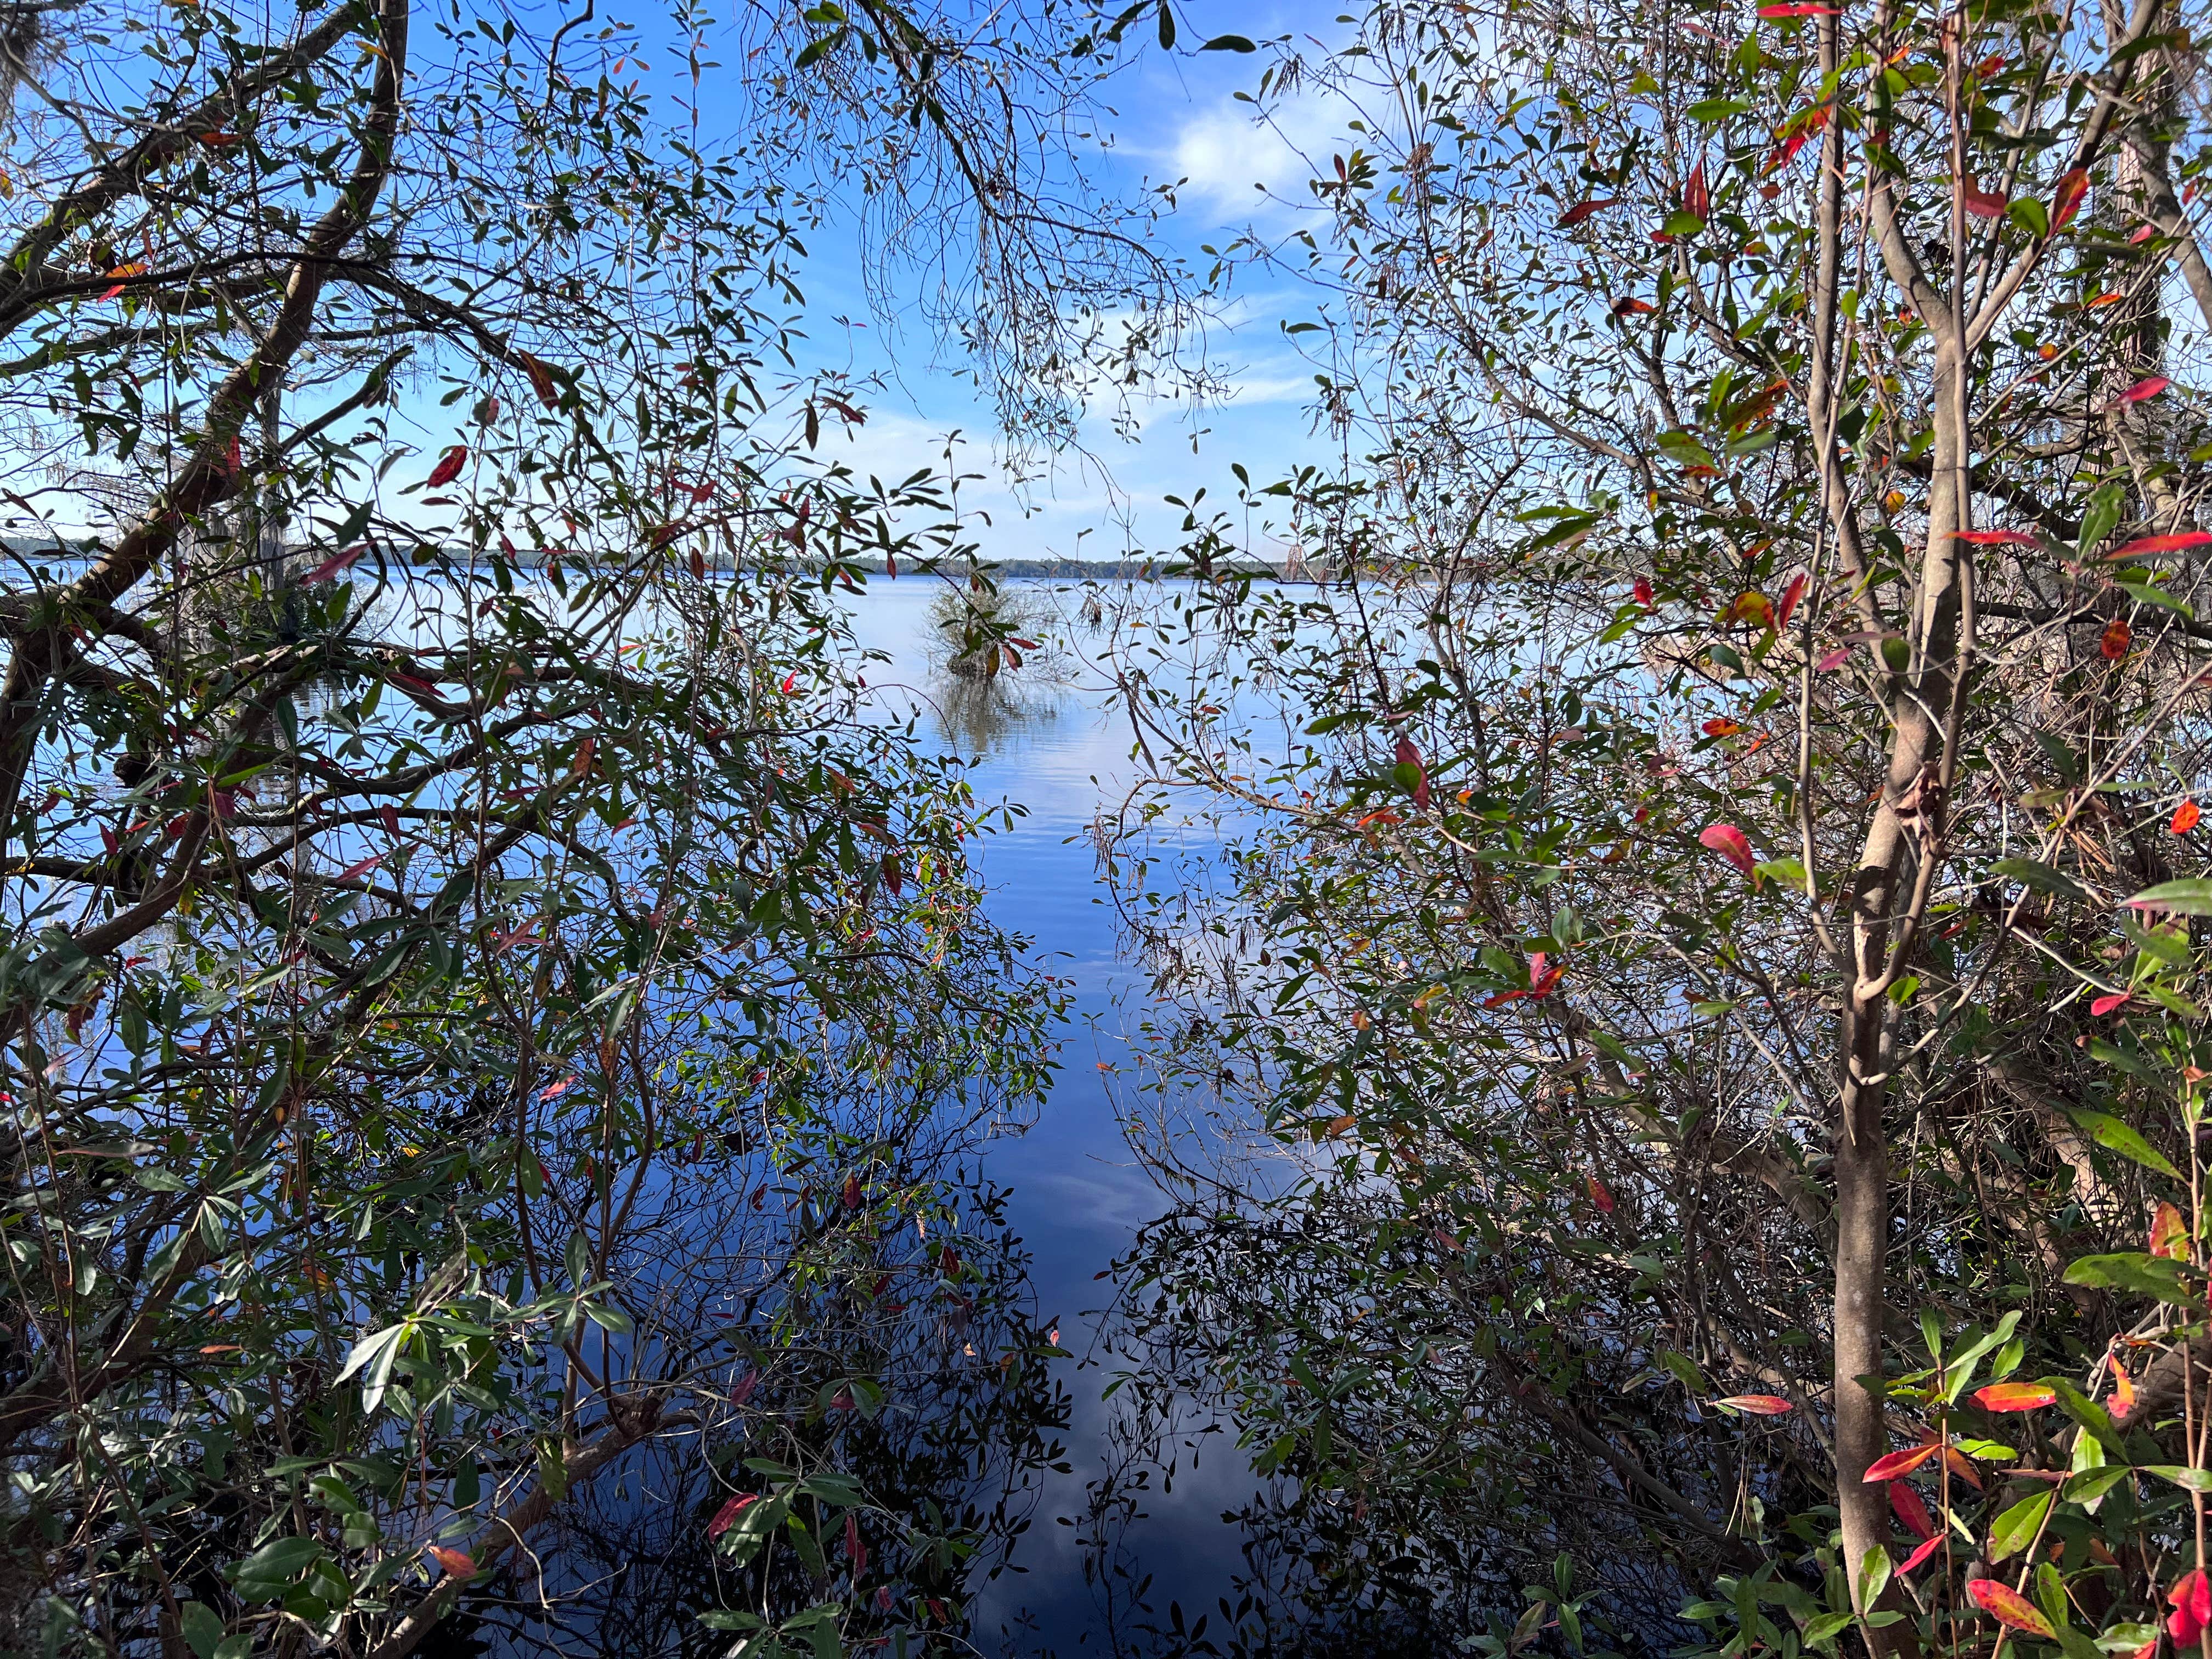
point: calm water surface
(1062, 753)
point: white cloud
(1242, 166)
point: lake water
(1061, 751)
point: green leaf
(2016, 1529)
(1167, 27)
(274, 1568)
(2183, 1476)
(1826, 1628)
(2093, 1484)
(1874, 1577)
(2041, 876)
(2109, 1132)
(2138, 1274)
(1229, 43)
(1713, 110)
(2091, 1416)
(202, 1627)
(2031, 216)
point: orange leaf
(1721, 728)
(1600, 1194)
(1900, 1463)
(2066, 201)
(2008, 1606)
(459, 1563)
(2169, 1234)
(2185, 818)
(1749, 608)
(1998, 538)
(1756, 1405)
(2014, 1397)
(540, 380)
(2124, 1391)
(2113, 644)
(1630, 305)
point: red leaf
(2185, 818)
(2014, 1397)
(1998, 538)
(2142, 389)
(2180, 542)
(1798, 8)
(730, 1511)
(560, 1088)
(2066, 201)
(1790, 596)
(1720, 728)
(361, 869)
(107, 841)
(2169, 1234)
(2112, 1003)
(1756, 1405)
(790, 681)
(1926, 1549)
(449, 466)
(1697, 199)
(1407, 754)
(1910, 1509)
(1644, 595)
(852, 1193)
(1900, 1463)
(1582, 210)
(1599, 1194)
(1630, 305)
(855, 1551)
(1731, 843)
(1833, 660)
(2192, 1608)
(2008, 1606)
(330, 567)
(2112, 643)
(459, 1563)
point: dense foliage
(493, 1009)
(1707, 984)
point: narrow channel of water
(1060, 751)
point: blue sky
(1177, 118)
